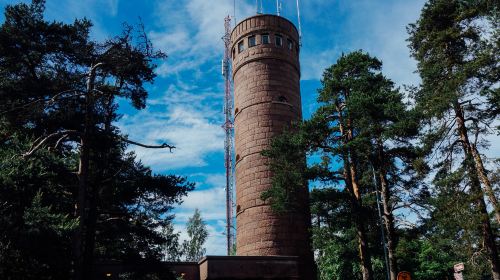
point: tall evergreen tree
(57, 99)
(362, 131)
(455, 62)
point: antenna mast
(298, 18)
(228, 142)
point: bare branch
(44, 100)
(162, 146)
(36, 146)
(60, 140)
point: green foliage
(171, 248)
(193, 248)
(456, 46)
(40, 218)
(361, 126)
(57, 85)
(334, 237)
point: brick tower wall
(266, 99)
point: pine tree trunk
(350, 176)
(488, 236)
(360, 228)
(92, 197)
(81, 204)
(481, 171)
(88, 256)
(387, 214)
(80, 209)
(81, 265)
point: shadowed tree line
(420, 153)
(70, 194)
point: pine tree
(453, 57)
(58, 91)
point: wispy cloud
(374, 26)
(192, 32)
(211, 203)
(186, 117)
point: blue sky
(185, 102)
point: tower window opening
(279, 40)
(241, 46)
(265, 38)
(290, 44)
(234, 53)
(251, 41)
(282, 99)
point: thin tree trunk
(360, 228)
(80, 208)
(81, 204)
(387, 214)
(488, 236)
(88, 255)
(81, 264)
(481, 171)
(350, 175)
(93, 197)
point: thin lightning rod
(300, 28)
(278, 7)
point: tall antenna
(257, 8)
(278, 7)
(298, 18)
(228, 128)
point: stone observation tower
(266, 75)
(264, 52)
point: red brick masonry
(266, 99)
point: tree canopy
(70, 194)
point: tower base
(213, 268)
(249, 268)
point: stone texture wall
(267, 98)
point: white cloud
(192, 32)
(376, 27)
(212, 205)
(216, 242)
(184, 117)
